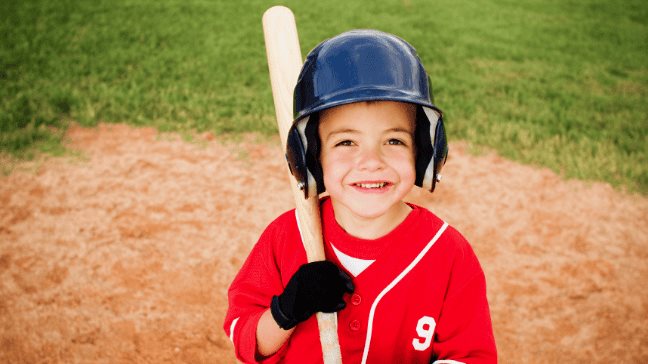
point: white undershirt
(354, 265)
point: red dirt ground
(125, 253)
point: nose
(370, 159)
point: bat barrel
(284, 62)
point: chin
(370, 210)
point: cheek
(404, 164)
(337, 165)
(409, 172)
(410, 175)
(335, 157)
(332, 164)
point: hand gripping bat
(284, 62)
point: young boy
(407, 288)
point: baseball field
(140, 164)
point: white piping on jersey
(447, 361)
(231, 335)
(393, 284)
(354, 265)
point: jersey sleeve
(464, 333)
(250, 294)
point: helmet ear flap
(424, 147)
(296, 158)
(431, 147)
(440, 151)
(302, 155)
(313, 154)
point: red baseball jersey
(422, 300)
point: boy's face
(367, 156)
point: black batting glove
(315, 287)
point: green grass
(555, 83)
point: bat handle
(327, 323)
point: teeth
(372, 185)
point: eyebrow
(399, 130)
(345, 130)
(355, 131)
(341, 131)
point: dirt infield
(124, 254)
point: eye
(394, 141)
(344, 143)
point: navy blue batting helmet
(355, 66)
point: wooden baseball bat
(284, 63)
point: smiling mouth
(372, 185)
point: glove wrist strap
(282, 320)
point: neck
(371, 227)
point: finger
(349, 287)
(340, 306)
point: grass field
(561, 84)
